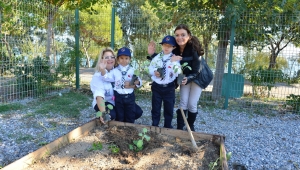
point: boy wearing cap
(163, 87)
(123, 91)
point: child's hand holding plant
(128, 85)
(157, 74)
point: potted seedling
(161, 72)
(181, 75)
(159, 67)
(134, 77)
(105, 114)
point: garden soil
(160, 152)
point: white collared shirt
(101, 88)
(171, 71)
(115, 75)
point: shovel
(189, 129)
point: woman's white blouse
(101, 88)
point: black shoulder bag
(205, 75)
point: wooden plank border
(83, 130)
(48, 149)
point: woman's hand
(176, 58)
(184, 81)
(104, 118)
(151, 48)
(102, 64)
(101, 120)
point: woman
(103, 93)
(188, 50)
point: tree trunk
(88, 61)
(273, 58)
(7, 45)
(220, 65)
(205, 44)
(272, 61)
(50, 34)
(85, 49)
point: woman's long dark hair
(194, 40)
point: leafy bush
(264, 80)
(67, 64)
(294, 101)
(33, 77)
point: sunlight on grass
(69, 104)
(10, 107)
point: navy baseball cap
(124, 51)
(169, 40)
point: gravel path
(257, 142)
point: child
(163, 87)
(124, 92)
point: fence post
(77, 46)
(228, 86)
(112, 31)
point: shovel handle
(189, 129)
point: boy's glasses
(109, 57)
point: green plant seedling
(96, 146)
(213, 165)
(138, 144)
(182, 68)
(114, 149)
(109, 106)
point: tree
(275, 27)
(53, 7)
(95, 29)
(227, 12)
(139, 25)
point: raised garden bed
(107, 147)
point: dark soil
(160, 152)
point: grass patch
(28, 115)
(68, 105)
(23, 138)
(10, 107)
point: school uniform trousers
(113, 115)
(163, 93)
(125, 103)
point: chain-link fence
(254, 55)
(36, 49)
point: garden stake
(189, 129)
